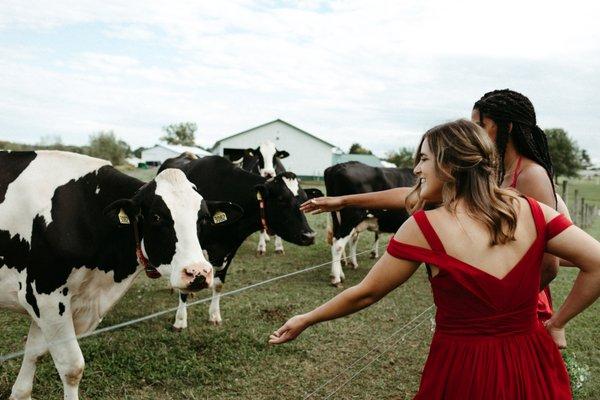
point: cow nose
(309, 237)
(198, 272)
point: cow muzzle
(308, 238)
(266, 173)
(197, 276)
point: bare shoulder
(549, 212)
(534, 182)
(410, 233)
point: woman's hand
(322, 204)
(558, 334)
(290, 330)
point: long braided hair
(505, 107)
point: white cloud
(377, 72)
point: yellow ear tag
(219, 217)
(123, 218)
(258, 196)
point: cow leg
(337, 274)
(278, 245)
(34, 349)
(375, 250)
(59, 332)
(214, 311)
(343, 257)
(181, 316)
(353, 244)
(262, 244)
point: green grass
(148, 361)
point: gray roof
(176, 148)
(369, 159)
(271, 122)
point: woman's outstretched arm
(387, 274)
(385, 199)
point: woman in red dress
(509, 119)
(484, 246)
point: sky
(378, 73)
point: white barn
(309, 155)
(158, 154)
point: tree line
(567, 157)
(106, 145)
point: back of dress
(488, 343)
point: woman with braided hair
(524, 164)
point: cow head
(264, 160)
(282, 197)
(169, 213)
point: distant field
(148, 361)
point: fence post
(564, 191)
(575, 207)
(582, 211)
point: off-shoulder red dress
(488, 342)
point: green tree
(403, 158)
(567, 158)
(585, 159)
(105, 145)
(182, 133)
(356, 148)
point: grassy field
(148, 361)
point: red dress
(488, 342)
(544, 306)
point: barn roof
(369, 159)
(183, 149)
(272, 122)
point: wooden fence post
(582, 212)
(564, 191)
(575, 207)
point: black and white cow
(265, 161)
(281, 197)
(73, 233)
(353, 178)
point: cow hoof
(279, 252)
(216, 322)
(343, 262)
(373, 255)
(260, 253)
(337, 285)
(175, 329)
(353, 266)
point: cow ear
(311, 193)
(122, 212)
(249, 152)
(282, 154)
(224, 213)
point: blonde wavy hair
(465, 161)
